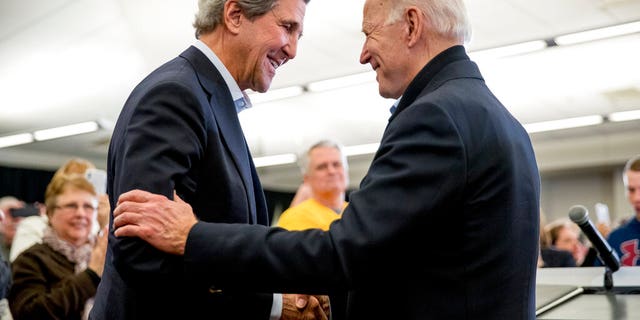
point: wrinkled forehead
(324, 152)
(291, 9)
(72, 193)
(375, 12)
(374, 8)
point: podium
(580, 293)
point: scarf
(78, 255)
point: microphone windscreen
(579, 214)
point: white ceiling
(68, 61)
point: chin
(262, 87)
(266, 85)
(387, 93)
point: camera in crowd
(30, 209)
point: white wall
(587, 186)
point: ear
(232, 16)
(415, 23)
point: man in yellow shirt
(324, 170)
(325, 179)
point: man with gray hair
(179, 131)
(444, 224)
(325, 170)
(626, 238)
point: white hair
(447, 17)
(303, 159)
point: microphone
(580, 215)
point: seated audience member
(9, 224)
(31, 229)
(58, 278)
(551, 257)
(320, 199)
(565, 235)
(626, 238)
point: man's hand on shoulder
(163, 223)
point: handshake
(305, 307)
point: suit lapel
(226, 118)
(231, 132)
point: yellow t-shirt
(308, 214)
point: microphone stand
(608, 278)
(580, 215)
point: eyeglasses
(73, 207)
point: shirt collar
(240, 98)
(395, 105)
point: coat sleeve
(159, 144)
(417, 170)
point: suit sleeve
(419, 167)
(161, 142)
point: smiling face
(269, 41)
(384, 49)
(73, 215)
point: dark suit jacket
(179, 130)
(443, 226)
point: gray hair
(303, 159)
(210, 12)
(632, 165)
(447, 17)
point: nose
(291, 49)
(364, 55)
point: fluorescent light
(361, 149)
(106, 124)
(16, 139)
(597, 34)
(563, 124)
(65, 131)
(275, 160)
(276, 94)
(624, 116)
(510, 50)
(342, 82)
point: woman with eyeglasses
(58, 278)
